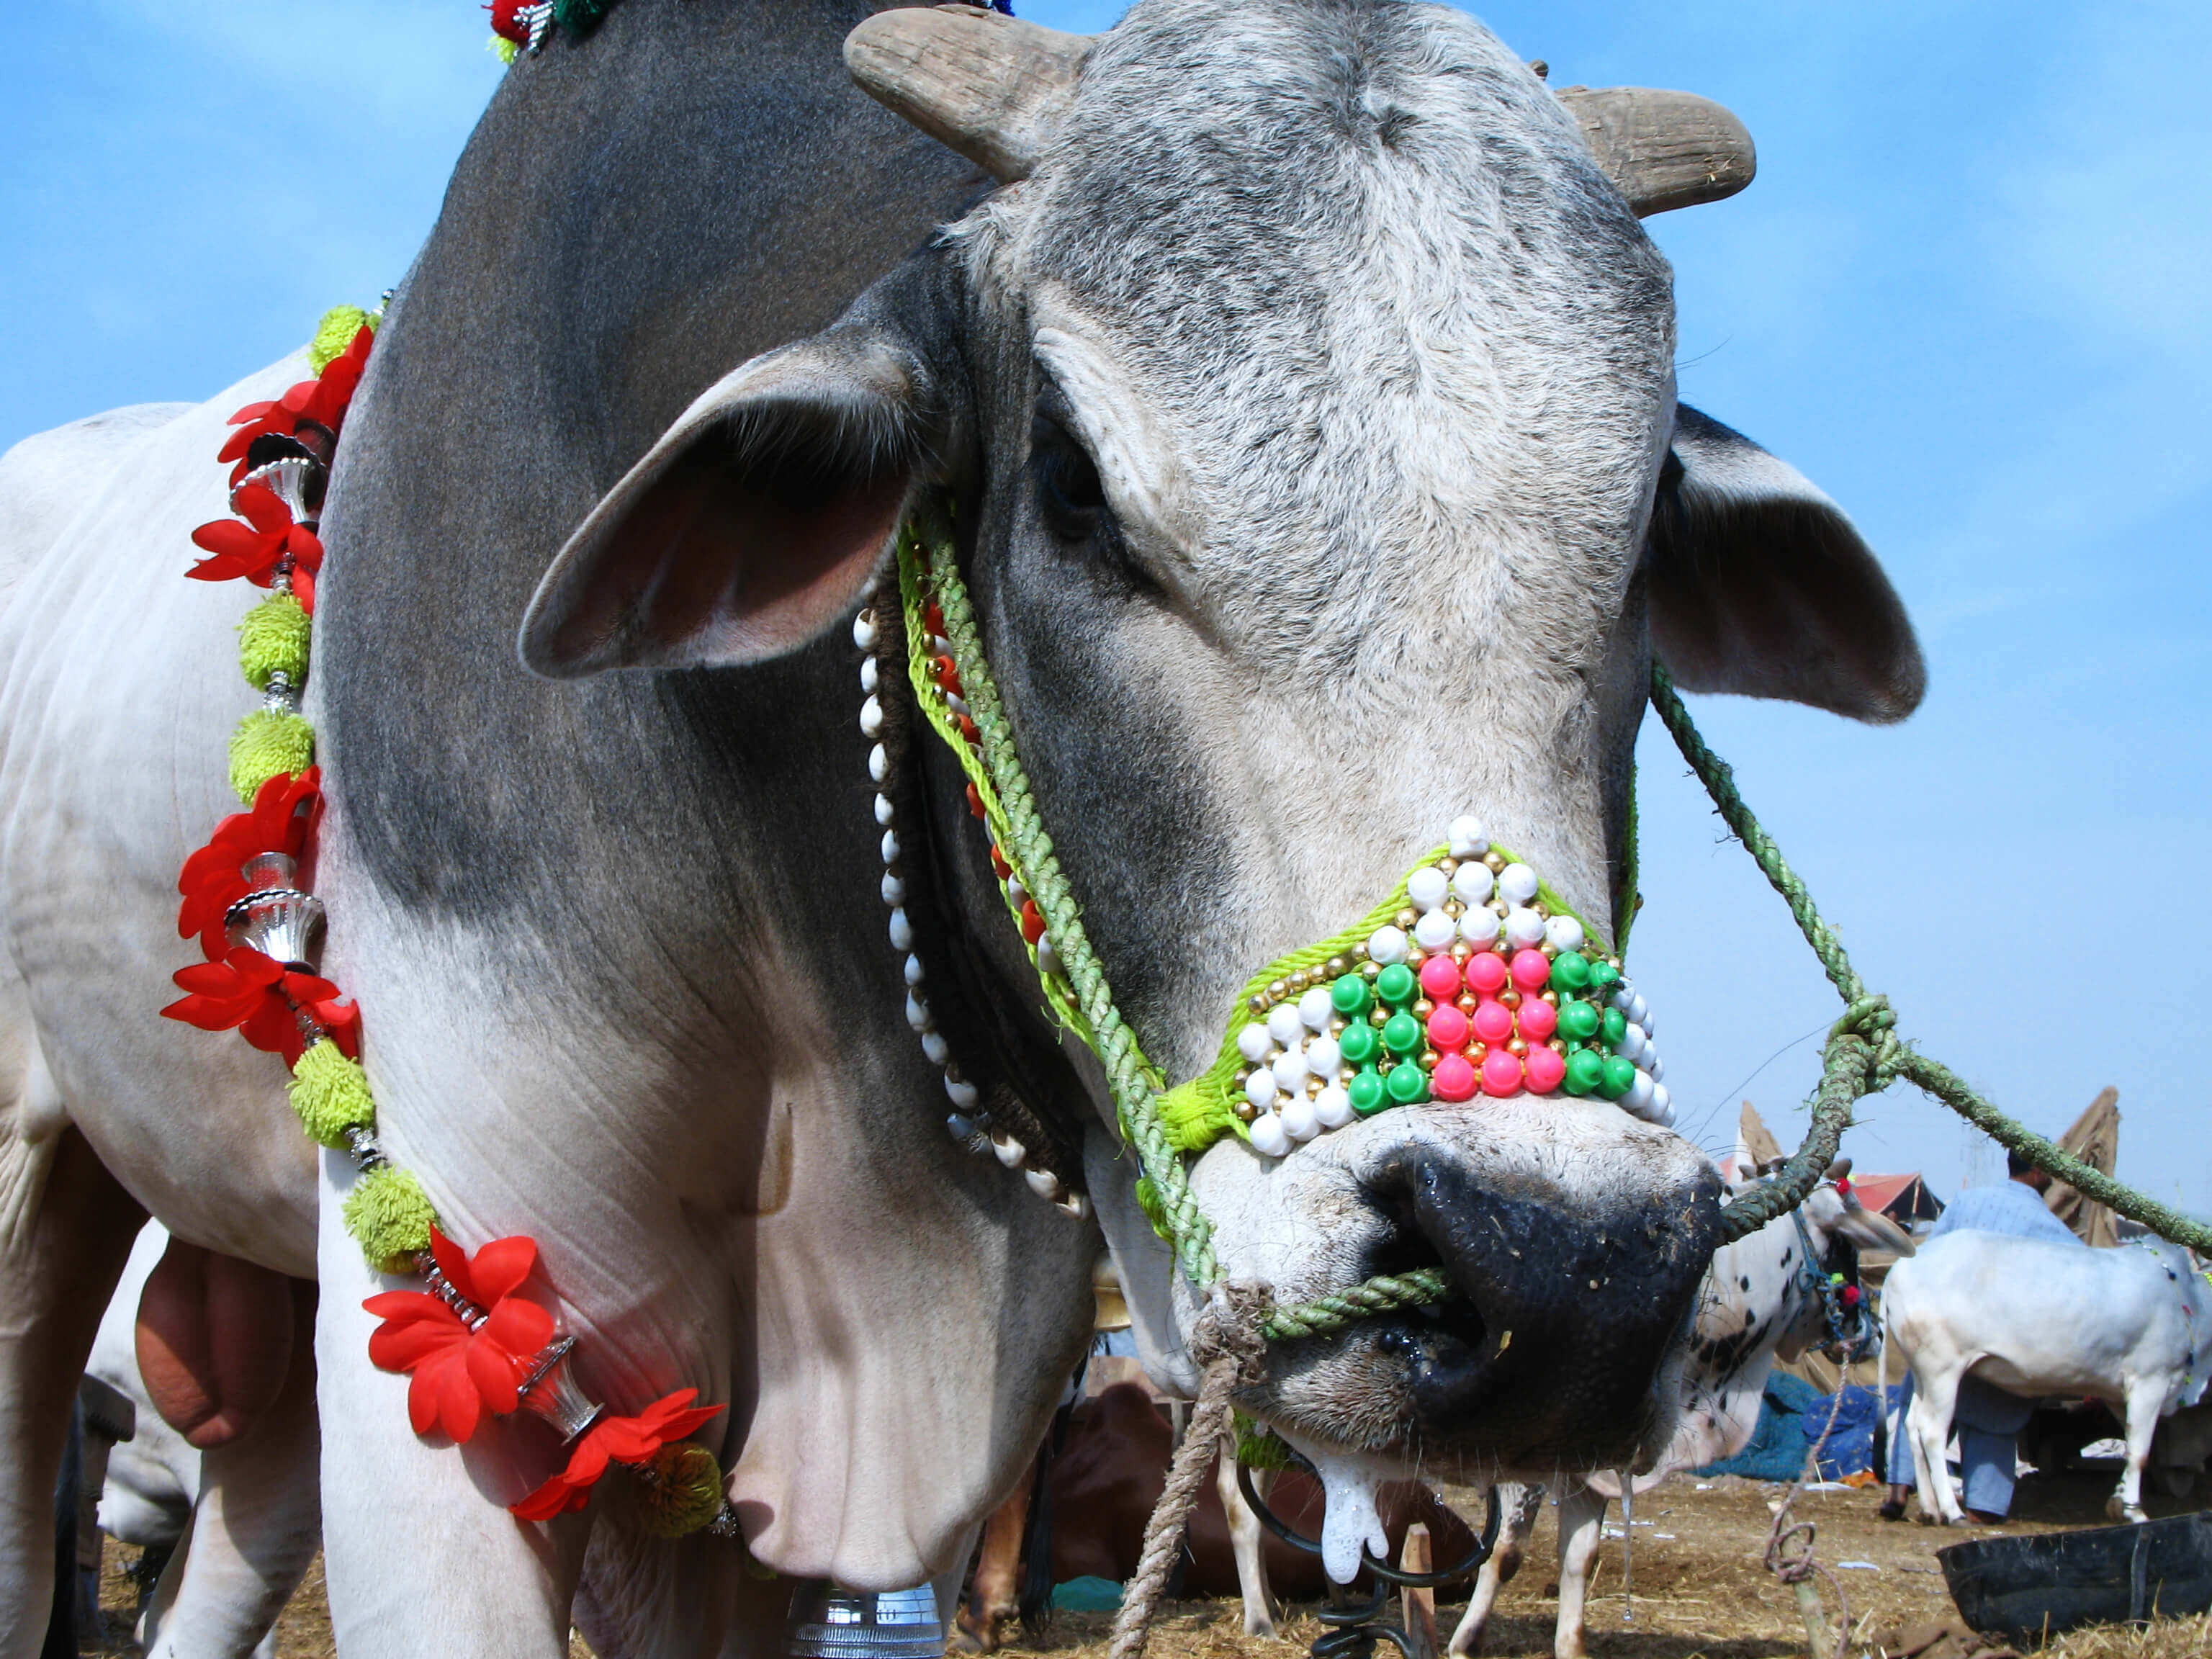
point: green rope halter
(1864, 1054)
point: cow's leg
(65, 1230)
(1246, 1540)
(1929, 1423)
(256, 1522)
(419, 1551)
(994, 1598)
(2144, 1400)
(1518, 1505)
(1582, 1525)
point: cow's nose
(1559, 1314)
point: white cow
(242, 1522)
(1759, 1300)
(2127, 1326)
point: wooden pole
(1418, 1607)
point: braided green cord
(1864, 1054)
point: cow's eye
(1069, 493)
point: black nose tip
(1563, 1306)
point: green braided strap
(1326, 1315)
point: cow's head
(1306, 398)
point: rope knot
(1874, 1021)
(1232, 1326)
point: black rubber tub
(2102, 1574)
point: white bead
(1564, 933)
(1662, 1103)
(890, 846)
(1639, 1010)
(1427, 887)
(1012, 1153)
(936, 1047)
(1254, 1042)
(1323, 1056)
(879, 763)
(1624, 999)
(1290, 1069)
(1467, 841)
(1523, 928)
(1016, 893)
(1297, 1118)
(1387, 946)
(1650, 1023)
(884, 810)
(1047, 958)
(1664, 1116)
(1641, 1094)
(864, 632)
(1268, 1135)
(939, 646)
(1260, 1089)
(1471, 883)
(894, 889)
(1313, 1009)
(1631, 1042)
(1435, 930)
(961, 1092)
(867, 673)
(917, 1013)
(1517, 881)
(1044, 1182)
(902, 932)
(1333, 1108)
(957, 705)
(1658, 1066)
(1479, 927)
(913, 970)
(1284, 1024)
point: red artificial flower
(248, 991)
(211, 882)
(505, 25)
(321, 401)
(253, 549)
(453, 1371)
(614, 1439)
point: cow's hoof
(2118, 1510)
(1891, 1510)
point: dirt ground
(1698, 1588)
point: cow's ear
(755, 522)
(1760, 586)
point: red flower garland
(320, 403)
(261, 1001)
(212, 880)
(255, 548)
(455, 1372)
(614, 1439)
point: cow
(2129, 1325)
(1764, 1296)
(1301, 388)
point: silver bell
(549, 1388)
(292, 479)
(827, 1622)
(276, 918)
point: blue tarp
(1849, 1449)
(1791, 1416)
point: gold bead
(1256, 1002)
(1448, 865)
(1478, 1052)
(1613, 962)
(1557, 1045)
(1510, 997)
(1406, 919)
(1278, 989)
(1493, 861)
(1300, 979)
(1378, 1017)
(1549, 949)
(1499, 907)
(1423, 1007)
(1336, 966)
(1516, 1048)
(1460, 951)
(1454, 909)
(1360, 953)
(1466, 1003)
(1552, 997)
(1370, 971)
(1335, 1024)
(1428, 1060)
(1246, 1111)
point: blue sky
(1968, 295)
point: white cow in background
(239, 1539)
(2127, 1326)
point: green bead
(1397, 985)
(1359, 1043)
(1367, 1094)
(1350, 996)
(1570, 972)
(1407, 1084)
(1615, 1026)
(1585, 1071)
(1620, 1077)
(1402, 1035)
(1578, 1021)
(1603, 974)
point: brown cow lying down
(1104, 1483)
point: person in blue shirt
(1988, 1420)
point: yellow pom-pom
(390, 1218)
(680, 1490)
(330, 1094)
(267, 746)
(272, 638)
(335, 333)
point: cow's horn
(1662, 150)
(989, 85)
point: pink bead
(1546, 1070)
(1539, 1019)
(1501, 1072)
(1440, 979)
(1448, 1028)
(1485, 973)
(1530, 969)
(1493, 1022)
(1453, 1080)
